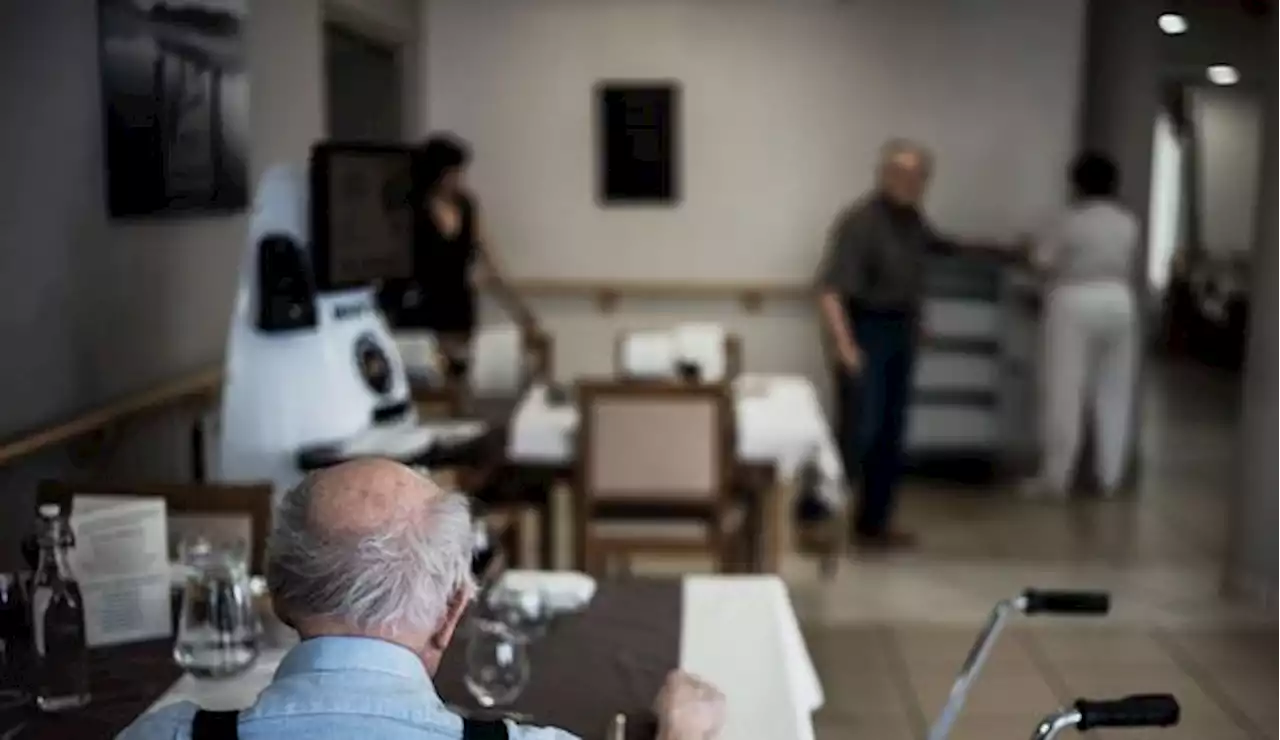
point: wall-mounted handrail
(607, 293)
(204, 385)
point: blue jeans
(873, 409)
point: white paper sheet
(121, 560)
(497, 360)
(704, 345)
(649, 354)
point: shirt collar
(328, 654)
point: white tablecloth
(739, 632)
(779, 421)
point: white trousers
(1090, 363)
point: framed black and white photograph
(638, 158)
(175, 93)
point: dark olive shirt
(876, 255)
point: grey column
(1251, 558)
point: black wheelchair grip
(1142, 710)
(1066, 602)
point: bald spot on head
(367, 496)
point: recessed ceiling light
(1172, 23)
(1223, 74)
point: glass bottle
(60, 659)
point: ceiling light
(1172, 23)
(1223, 74)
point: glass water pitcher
(218, 627)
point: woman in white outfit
(1091, 328)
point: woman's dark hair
(1095, 175)
(436, 156)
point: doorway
(364, 86)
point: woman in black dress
(448, 244)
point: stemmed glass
(497, 663)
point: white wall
(92, 309)
(785, 103)
(1228, 125)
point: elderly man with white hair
(370, 562)
(870, 294)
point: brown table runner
(124, 681)
(610, 659)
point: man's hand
(688, 708)
(849, 356)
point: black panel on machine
(286, 296)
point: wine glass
(497, 663)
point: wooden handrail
(206, 383)
(607, 293)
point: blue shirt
(331, 688)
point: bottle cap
(49, 511)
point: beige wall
(90, 309)
(785, 104)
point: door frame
(403, 42)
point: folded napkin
(560, 591)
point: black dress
(440, 297)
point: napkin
(703, 344)
(561, 590)
(649, 354)
(497, 360)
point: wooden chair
(221, 513)
(655, 472)
(732, 357)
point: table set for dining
(606, 654)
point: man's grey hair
(896, 146)
(398, 579)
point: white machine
(310, 363)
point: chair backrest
(221, 513)
(653, 354)
(666, 445)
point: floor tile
(1101, 644)
(839, 727)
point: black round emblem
(373, 364)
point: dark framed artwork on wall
(638, 142)
(175, 102)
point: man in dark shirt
(871, 288)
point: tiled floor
(888, 634)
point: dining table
(611, 657)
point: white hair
(893, 147)
(396, 580)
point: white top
(1095, 241)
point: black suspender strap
(215, 725)
(477, 729)
(224, 726)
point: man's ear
(443, 635)
(281, 613)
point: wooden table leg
(546, 540)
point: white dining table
(779, 421)
(738, 632)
